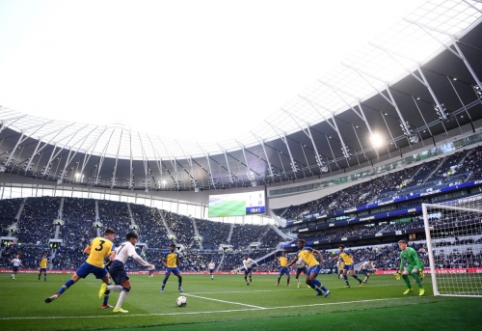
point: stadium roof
(389, 87)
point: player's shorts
(86, 269)
(43, 270)
(248, 271)
(211, 271)
(316, 269)
(348, 267)
(15, 269)
(284, 271)
(410, 268)
(301, 270)
(118, 272)
(175, 271)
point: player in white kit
(367, 268)
(118, 272)
(211, 267)
(16, 263)
(248, 264)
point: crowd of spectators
(36, 220)
(182, 227)
(472, 164)
(151, 228)
(213, 236)
(356, 195)
(84, 219)
(115, 215)
(424, 172)
(9, 210)
(456, 168)
(451, 165)
(79, 217)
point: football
(181, 301)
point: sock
(246, 278)
(407, 281)
(323, 288)
(279, 278)
(106, 296)
(288, 281)
(164, 283)
(298, 280)
(115, 288)
(346, 279)
(313, 286)
(64, 287)
(39, 276)
(180, 281)
(356, 277)
(417, 279)
(45, 276)
(316, 282)
(122, 297)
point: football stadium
(240, 165)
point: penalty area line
(224, 301)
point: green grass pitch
(227, 303)
(227, 208)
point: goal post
(454, 245)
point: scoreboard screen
(237, 204)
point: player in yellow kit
(171, 261)
(307, 254)
(98, 249)
(347, 257)
(283, 270)
(43, 267)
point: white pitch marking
(184, 312)
(231, 302)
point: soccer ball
(181, 301)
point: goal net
(454, 246)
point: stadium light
(478, 91)
(376, 140)
(441, 112)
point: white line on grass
(185, 312)
(231, 302)
(303, 288)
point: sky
(199, 71)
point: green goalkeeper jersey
(411, 256)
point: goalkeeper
(413, 269)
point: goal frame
(425, 207)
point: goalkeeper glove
(422, 275)
(398, 275)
